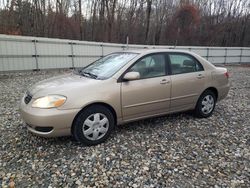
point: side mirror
(131, 76)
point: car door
(149, 95)
(188, 81)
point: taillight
(226, 74)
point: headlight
(50, 101)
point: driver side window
(150, 66)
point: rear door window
(183, 63)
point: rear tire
(206, 104)
(93, 125)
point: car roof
(147, 51)
(158, 50)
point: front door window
(150, 66)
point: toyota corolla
(123, 87)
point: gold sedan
(123, 87)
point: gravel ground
(176, 150)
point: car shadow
(125, 129)
(153, 121)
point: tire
(93, 125)
(206, 104)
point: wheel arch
(197, 110)
(214, 90)
(112, 110)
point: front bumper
(47, 122)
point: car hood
(61, 85)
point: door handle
(164, 81)
(200, 76)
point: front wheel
(93, 125)
(205, 105)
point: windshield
(107, 66)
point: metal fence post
(241, 55)
(207, 53)
(36, 56)
(72, 54)
(102, 49)
(225, 59)
(127, 41)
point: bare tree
(190, 22)
(149, 7)
(110, 7)
(80, 19)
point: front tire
(206, 104)
(93, 125)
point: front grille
(27, 98)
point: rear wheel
(93, 125)
(205, 105)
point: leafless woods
(172, 22)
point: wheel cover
(207, 104)
(95, 126)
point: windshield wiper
(89, 74)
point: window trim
(186, 54)
(167, 70)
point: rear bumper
(48, 122)
(223, 91)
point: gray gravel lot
(176, 150)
